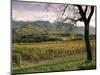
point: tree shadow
(87, 65)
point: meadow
(51, 56)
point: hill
(44, 30)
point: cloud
(33, 15)
(32, 11)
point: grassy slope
(70, 63)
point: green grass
(70, 63)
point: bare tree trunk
(87, 42)
(86, 34)
(86, 20)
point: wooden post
(19, 60)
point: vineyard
(44, 53)
(52, 37)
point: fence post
(19, 60)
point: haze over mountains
(45, 27)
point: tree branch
(75, 20)
(69, 19)
(82, 12)
(79, 19)
(91, 13)
(64, 10)
(85, 9)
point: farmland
(52, 37)
(45, 56)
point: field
(52, 37)
(51, 56)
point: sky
(31, 11)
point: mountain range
(45, 27)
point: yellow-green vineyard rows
(35, 52)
